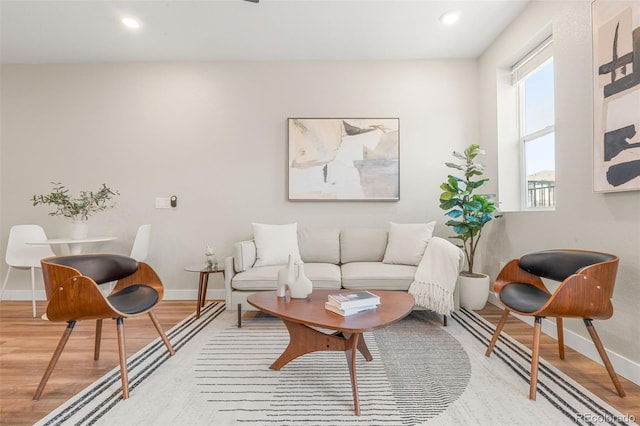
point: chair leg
(535, 356)
(96, 347)
(163, 336)
(54, 359)
(239, 315)
(444, 320)
(33, 290)
(560, 329)
(496, 334)
(605, 358)
(122, 354)
(6, 280)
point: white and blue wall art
(344, 159)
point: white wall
(583, 219)
(215, 136)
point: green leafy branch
(79, 207)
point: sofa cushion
(363, 244)
(274, 243)
(322, 275)
(244, 255)
(319, 245)
(262, 278)
(377, 276)
(407, 242)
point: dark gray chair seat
(134, 299)
(523, 297)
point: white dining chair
(20, 255)
(140, 249)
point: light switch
(163, 203)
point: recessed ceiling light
(130, 22)
(450, 18)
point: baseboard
(23, 295)
(625, 367)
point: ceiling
(53, 31)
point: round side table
(203, 281)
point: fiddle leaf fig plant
(468, 212)
(78, 207)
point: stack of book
(351, 303)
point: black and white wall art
(616, 81)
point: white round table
(70, 245)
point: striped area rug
(95, 402)
(232, 373)
(422, 374)
(567, 396)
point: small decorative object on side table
(203, 281)
(210, 255)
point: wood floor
(26, 345)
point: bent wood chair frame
(585, 294)
(73, 297)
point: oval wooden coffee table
(299, 315)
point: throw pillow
(407, 242)
(274, 243)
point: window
(533, 78)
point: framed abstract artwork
(616, 85)
(344, 159)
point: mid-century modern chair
(71, 283)
(140, 248)
(20, 255)
(587, 281)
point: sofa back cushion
(321, 245)
(244, 255)
(363, 244)
(407, 242)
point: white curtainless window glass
(533, 78)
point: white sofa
(351, 258)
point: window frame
(527, 66)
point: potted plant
(468, 213)
(79, 208)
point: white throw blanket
(436, 276)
